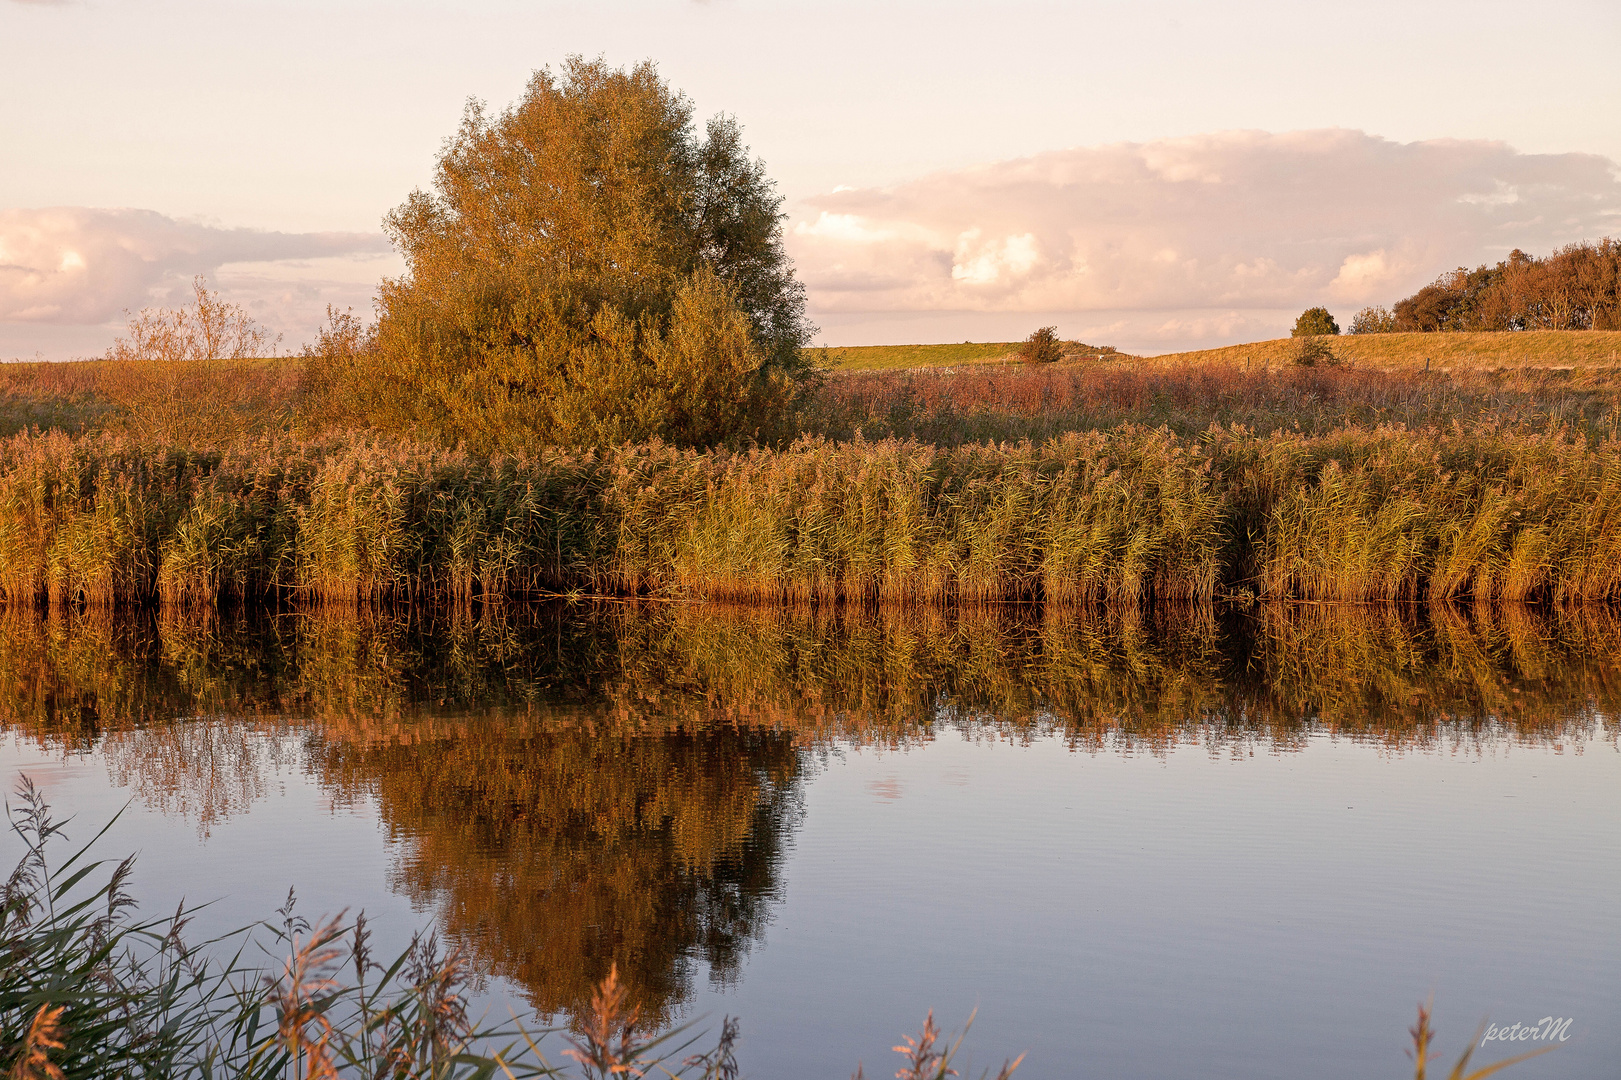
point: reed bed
(1127, 516)
(1016, 402)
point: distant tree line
(1578, 287)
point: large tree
(589, 269)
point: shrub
(589, 271)
(1374, 320)
(1042, 347)
(333, 388)
(211, 329)
(1313, 351)
(1315, 321)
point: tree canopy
(1577, 287)
(1314, 321)
(588, 269)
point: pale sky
(1148, 175)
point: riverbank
(1125, 516)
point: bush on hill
(1042, 347)
(1374, 320)
(1315, 321)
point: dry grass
(942, 393)
(986, 404)
(182, 403)
(1585, 349)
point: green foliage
(86, 989)
(589, 271)
(1315, 321)
(1373, 320)
(881, 357)
(1313, 351)
(1042, 346)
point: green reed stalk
(1127, 516)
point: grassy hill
(891, 357)
(906, 357)
(1528, 349)
(1473, 352)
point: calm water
(1175, 846)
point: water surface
(1147, 846)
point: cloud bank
(1189, 241)
(1152, 246)
(79, 265)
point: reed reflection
(578, 787)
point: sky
(1154, 175)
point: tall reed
(1127, 516)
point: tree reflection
(553, 852)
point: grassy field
(946, 393)
(969, 353)
(182, 403)
(1473, 352)
(991, 403)
(901, 357)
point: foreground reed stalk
(89, 990)
(1122, 517)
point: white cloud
(84, 266)
(1187, 240)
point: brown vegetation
(1577, 287)
(1010, 403)
(1585, 352)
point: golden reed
(1124, 516)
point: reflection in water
(579, 787)
(555, 852)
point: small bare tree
(187, 376)
(211, 329)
